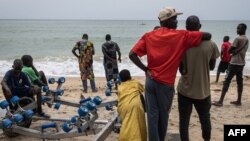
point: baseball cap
(167, 12)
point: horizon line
(115, 19)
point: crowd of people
(194, 53)
(167, 49)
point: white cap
(167, 12)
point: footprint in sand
(216, 89)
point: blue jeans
(159, 99)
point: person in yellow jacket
(131, 109)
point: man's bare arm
(136, 60)
(74, 51)
(6, 88)
(119, 55)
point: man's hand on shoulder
(206, 36)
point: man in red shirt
(164, 48)
(225, 57)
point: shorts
(223, 66)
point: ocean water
(50, 42)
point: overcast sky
(122, 9)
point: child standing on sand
(225, 57)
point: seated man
(16, 83)
(37, 78)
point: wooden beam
(102, 135)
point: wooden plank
(102, 135)
(173, 137)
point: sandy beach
(228, 114)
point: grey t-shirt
(239, 58)
(195, 83)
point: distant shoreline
(114, 20)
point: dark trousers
(159, 99)
(232, 71)
(33, 90)
(92, 84)
(202, 107)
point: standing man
(164, 48)
(85, 58)
(236, 65)
(194, 84)
(109, 50)
(225, 57)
